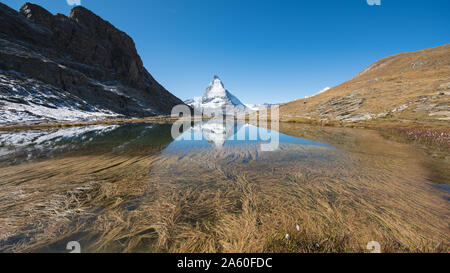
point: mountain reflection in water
(217, 134)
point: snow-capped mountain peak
(215, 89)
(216, 98)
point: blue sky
(267, 51)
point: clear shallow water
(17, 147)
(229, 135)
(134, 188)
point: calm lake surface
(215, 188)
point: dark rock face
(81, 54)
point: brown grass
(389, 83)
(230, 200)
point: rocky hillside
(405, 88)
(54, 67)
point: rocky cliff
(75, 67)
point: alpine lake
(216, 188)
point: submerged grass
(236, 199)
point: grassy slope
(419, 79)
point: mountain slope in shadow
(76, 67)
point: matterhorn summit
(216, 98)
(216, 89)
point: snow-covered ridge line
(318, 93)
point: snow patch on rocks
(24, 100)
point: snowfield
(318, 93)
(24, 100)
